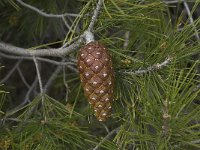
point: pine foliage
(156, 91)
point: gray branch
(95, 15)
(151, 68)
(38, 58)
(39, 52)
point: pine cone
(96, 74)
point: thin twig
(27, 96)
(65, 84)
(188, 13)
(22, 77)
(193, 25)
(172, 2)
(40, 85)
(19, 120)
(151, 68)
(38, 74)
(73, 68)
(10, 72)
(66, 24)
(105, 138)
(60, 63)
(42, 13)
(106, 128)
(52, 77)
(191, 19)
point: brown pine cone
(97, 75)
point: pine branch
(151, 68)
(59, 52)
(40, 59)
(88, 34)
(42, 13)
(95, 15)
(40, 52)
